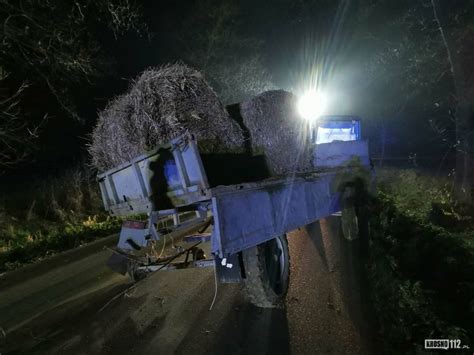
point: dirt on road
(168, 312)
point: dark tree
(52, 45)
(419, 59)
(455, 23)
(214, 40)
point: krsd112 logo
(444, 344)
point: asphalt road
(83, 308)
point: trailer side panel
(250, 215)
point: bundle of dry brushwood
(278, 131)
(166, 102)
(161, 104)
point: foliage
(426, 198)
(17, 136)
(55, 48)
(22, 244)
(413, 193)
(51, 215)
(64, 198)
(418, 64)
(421, 271)
(55, 41)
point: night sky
(371, 57)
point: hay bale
(161, 104)
(278, 131)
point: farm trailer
(249, 219)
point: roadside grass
(421, 264)
(32, 242)
(50, 216)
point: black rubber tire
(267, 277)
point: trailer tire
(267, 273)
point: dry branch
(161, 104)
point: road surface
(75, 309)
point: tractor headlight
(312, 105)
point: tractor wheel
(267, 272)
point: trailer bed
(173, 178)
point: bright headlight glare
(312, 104)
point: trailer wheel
(267, 271)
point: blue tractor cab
(337, 140)
(327, 129)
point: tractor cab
(327, 129)
(337, 142)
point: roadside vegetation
(421, 265)
(420, 268)
(51, 215)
